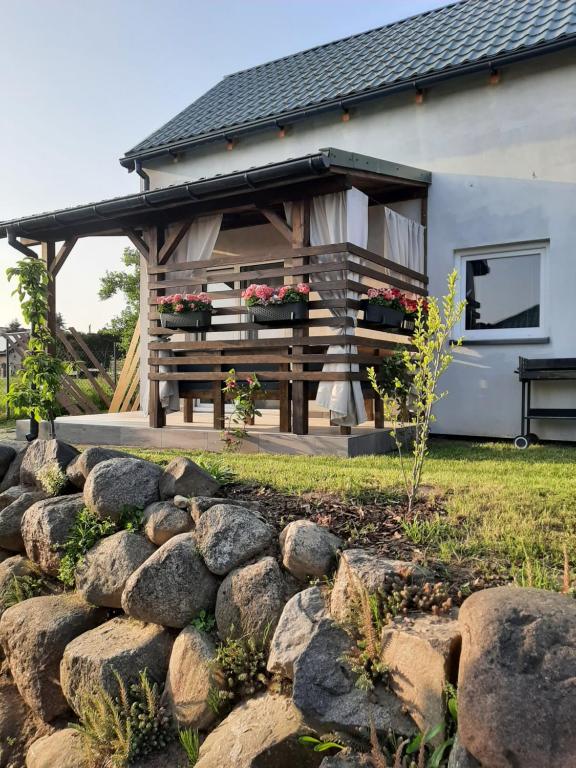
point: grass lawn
(498, 510)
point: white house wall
(503, 159)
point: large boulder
(45, 528)
(260, 733)
(326, 693)
(183, 477)
(106, 568)
(122, 647)
(517, 678)
(228, 536)
(7, 456)
(347, 760)
(11, 568)
(61, 749)
(358, 569)
(19, 726)
(11, 520)
(80, 467)
(460, 757)
(192, 679)
(162, 520)
(422, 656)
(299, 621)
(116, 485)
(200, 504)
(308, 550)
(250, 600)
(172, 586)
(34, 634)
(39, 455)
(10, 495)
(12, 473)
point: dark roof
(256, 186)
(444, 42)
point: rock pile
(207, 579)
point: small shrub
(204, 622)
(118, 731)
(22, 588)
(243, 665)
(214, 465)
(190, 740)
(399, 596)
(52, 478)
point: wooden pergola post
(300, 239)
(156, 414)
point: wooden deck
(132, 429)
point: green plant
(244, 396)
(21, 588)
(425, 532)
(130, 519)
(52, 478)
(213, 464)
(204, 622)
(36, 386)
(116, 731)
(85, 532)
(425, 365)
(319, 745)
(242, 662)
(190, 740)
(399, 595)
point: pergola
(157, 221)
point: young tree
(127, 284)
(14, 325)
(424, 366)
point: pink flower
(282, 291)
(303, 288)
(179, 308)
(250, 380)
(263, 292)
(204, 298)
(249, 292)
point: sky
(84, 81)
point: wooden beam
(173, 242)
(48, 253)
(64, 251)
(279, 224)
(137, 242)
(300, 239)
(156, 414)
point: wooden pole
(300, 239)
(157, 417)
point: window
(504, 292)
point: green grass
(506, 511)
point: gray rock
(250, 600)
(7, 455)
(115, 485)
(192, 677)
(11, 520)
(298, 622)
(61, 749)
(106, 568)
(347, 760)
(183, 477)
(121, 645)
(33, 635)
(460, 757)
(260, 733)
(10, 495)
(45, 528)
(326, 693)
(80, 467)
(181, 502)
(358, 568)
(39, 454)
(15, 566)
(12, 474)
(163, 520)
(517, 678)
(172, 586)
(228, 536)
(200, 504)
(308, 550)
(422, 654)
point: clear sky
(82, 81)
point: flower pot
(279, 313)
(384, 316)
(186, 320)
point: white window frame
(540, 248)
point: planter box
(408, 324)
(279, 313)
(384, 316)
(186, 320)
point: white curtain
(404, 240)
(340, 218)
(197, 245)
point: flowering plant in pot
(185, 310)
(410, 308)
(384, 306)
(268, 304)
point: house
(452, 144)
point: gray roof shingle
(434, 42)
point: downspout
(142, 173)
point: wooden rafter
(173, 242)
(64, 251)
(278, 223)
(137, 242)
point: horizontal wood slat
(264, 375)
(278, 343)
(256, 359)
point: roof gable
(439, 41)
